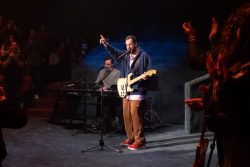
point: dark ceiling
(149, 20)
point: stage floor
(43, 144)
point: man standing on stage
(137, 62)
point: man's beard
(108, 69)
(133, 51)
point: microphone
(125, 53)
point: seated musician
(106, 80)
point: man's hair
(109, 58)
(131, 37)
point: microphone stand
(84, 129)
(101, 141)
(125, 53)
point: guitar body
(124, 84)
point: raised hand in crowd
(214, 30)
(189, 31)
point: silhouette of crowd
(30, 60)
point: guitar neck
(136, 79)
(203, 129)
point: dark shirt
(141, 64)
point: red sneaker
(137, 146)
(126, 142)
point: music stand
(101, 141)
(84, 128)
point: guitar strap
(106, 74)
(134, 65)
(100, 83)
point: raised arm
(103, 41)
(196, 57)
(214, 31)
(113, 52)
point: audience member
(226, 102)
(11, 116)
(34, 60)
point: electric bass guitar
(124, 84)
(201, 149)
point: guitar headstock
(151, 72)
